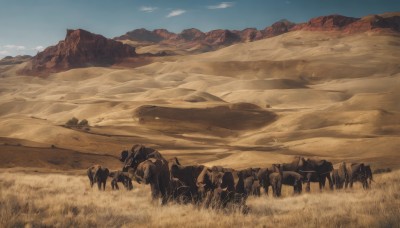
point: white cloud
(15, 47)
(222, 5)
(38, 48)
(176, 12)
(148, 9)
(4, 53)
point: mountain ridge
(388, 22)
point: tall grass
(55, 200)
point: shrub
(83, 123)
(73, 122)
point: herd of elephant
(218, 186)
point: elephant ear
(138, 151)
(124, 155)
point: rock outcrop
(9, 60)
(80, 48)
(277, 28)
(326, 23)
(388, 22)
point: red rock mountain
(278, 28)
(80, 48)
(219, 38)
(326, 23)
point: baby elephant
(293, 179)
(123, 177)
(98, 174)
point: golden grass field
(59, 200)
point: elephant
(275, 180)
(314, 170)
(339, 175)
(187, 175)
(138, 154)
(250, 181)
(98, 174)
(152, 171)
(293, 179)
(357, 172)
(204, 182)
(252, 186)
(238, 177)
(271, 176)
(217, 188)
(123, 177)
(179, 191)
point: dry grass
(54, 200)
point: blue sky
(27, 26)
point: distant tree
(73, 122)
(83, 123)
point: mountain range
(194, 38)
(81, 48)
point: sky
(28, 26)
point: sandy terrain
(250, 104)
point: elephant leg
(274, 190)
(365, 183)
(104, 185)
(266, 189)
(351, 183)
(99, 185)
(279, 189)
(330, 182)
(163, 185)
(308, 188)
(208, 199)
(322, 182)
(155, 189)
(91, 181)
(116, 186)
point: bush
(73, 122)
